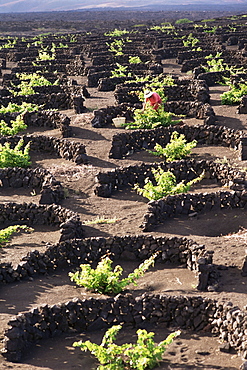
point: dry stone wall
(69, 150)
(184, 204)
(188, 313)
(132, 141)
(46, 321)
(186, 90)
(52, 119)
(32, 214)
(51, 190)
(172, 251)
(122, 177)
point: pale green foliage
(101, 220)
(212, 30)
(190, 41)
(116, 32)
(234, 95)
(120, 71)
(46, 53)
(116, 47)
(24, 88)
(143, 354)
(153, 82)
(208, 20)
(28, 81)
(183, 20)
(197, 26)
(73, 38)
(17, 125)
(62, 46)
(151, 118)
(178, 148)
(15, 157)
(7, 233)
(105, 280)
(35, 79)
(166, 27)
(9, 44)
(24, 107)
(134, 60)
(165, 185)
(215, 64)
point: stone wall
(46, 321)
(103, 116)
(230, 325)
(51, 190)
(190, 109)
(75, 67)
(195, 54)
(186, 90)
(69, 150)
(171, 250)
(199, 110)
(184, 204)
(132, 141)
(11, 78)
(32, 214)
(52, 119)
(48, 97)
(122, 177)
(188, 313)
(60, 100)
(212, 78)
(189, 65)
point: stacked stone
(33, 178)
(75, 66)
(21, 53)
(189, 109)
(104, 116)
(188, 313)
(186, 203)
(52, 119)
(186, 90)
(33, 214)
(211, 78)
(132, 141)
(195, 54)
(230, 324)
(104, 81)
(229, 57)
(175, 251)
(51, 100)
(199, 110)
(69, 150)
(121, 177)
(11, 78)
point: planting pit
(27, 242)
(209, 224)
(188, 351)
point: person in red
(152, 98)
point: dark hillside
(77, 21)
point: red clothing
(154, 100)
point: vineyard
(162, 198)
